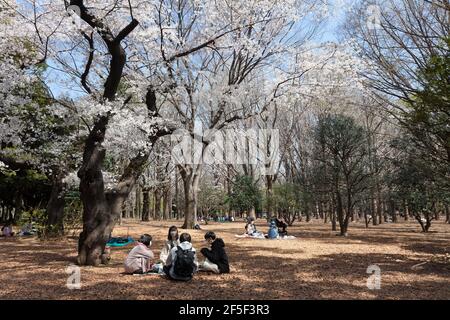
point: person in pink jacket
(140, 258)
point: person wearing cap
(140, 258)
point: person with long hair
(171, 242)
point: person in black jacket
(216, 257)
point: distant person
(250, 227)
(7, 230)
(281, 225)
(216, 259)
(171, 242)
(182, 261)
(273, 230)
(140, 258)
(27, 230)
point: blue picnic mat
(119, 241)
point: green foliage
(287, 198)
(31, 185)
(73, 212)
(342, 148)
(245, 194)
(428, 117)
(38, 218)
(211, 199)
(415, 179)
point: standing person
(172, 242)
(182, 261)
(216, 259)
(140, 258)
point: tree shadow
(258, 272)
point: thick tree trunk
(190, 206)
(55, 206)
(101, 210)
(191, 180)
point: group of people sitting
(27, 229)
(178, 258)
(277, 229)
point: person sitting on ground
(273, 231)
(172, 242)
(250, 227)
(216, 259)
(140, 258)
(182, 261)
(281, 225)
(7, 230)
(27, 230)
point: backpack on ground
(184, 264)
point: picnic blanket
(119, 241)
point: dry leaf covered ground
(316, 265)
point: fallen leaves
(316, 265)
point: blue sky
(327, 33)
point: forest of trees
(362, 125)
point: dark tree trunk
(425, 225)
(158, 214)
(138, 206)
(308, 213)
(146, 206)
(333, 214)
(101, 210)
(340, 215)
(55, 206)
(167, 203)
(269, 195)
